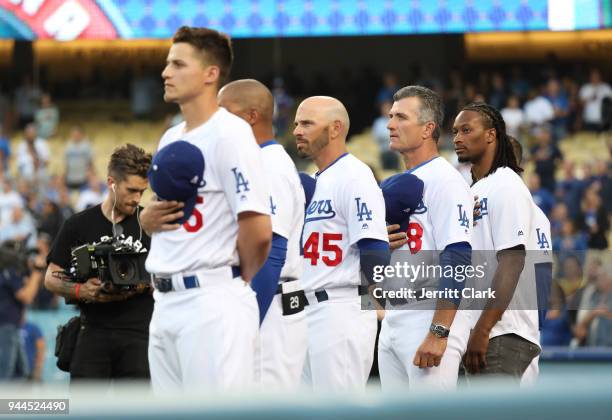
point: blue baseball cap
(402, 193)
(309, 184)
(176, 174)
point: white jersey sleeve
(510, 216)
(241, 173)
(452, 214)
(363, 207)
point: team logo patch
(463, 219)
(542, 240)
(484, 210)
(362, 210)
(242, 185)
(320, 210)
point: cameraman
(113, 339)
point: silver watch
(439, 330)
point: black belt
(322, 296)
(164, 285)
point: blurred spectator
(50, 218)
(26, 101)
(595, 219)
(47, 117)
(32, 155)
(594, 322)
(390, 86)
(78, 155)
(569, 189)
(21, 228)
(15, 292)
(558, 216)
(283, 107)
(514, 117)
(570, 243)
(497, 97)
(518, 84)
(33, 343)
(592, 94)
(9, 200)
(565, 295)
(543, 198)
(92, 195)
(538, 110)
(145, 89)
(573, 114)
(44, 300)
(5, 152)
(558, 99)
(546, 156)
(606, 188)
(64, 204)
(380, 132)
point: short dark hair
(504, 151)
(215, 46)
(129, 160)
(431, 108)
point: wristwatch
(439, 330)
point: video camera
(113, 260)
(14, 255)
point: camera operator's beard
(126, 209)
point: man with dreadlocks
(505, 337)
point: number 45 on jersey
(312, 252)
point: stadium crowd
(542, 110)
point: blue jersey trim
(331, 164)
(409, 171)
(268, 143)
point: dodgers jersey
(235, 183)
(287, 202)
(506, 220)
(347, 206)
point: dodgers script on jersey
(506, 220)
(347, 206)
(286, 203)
(235, 183)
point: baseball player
(205, 321)
(344, 221)
(283, 333)
(502, 342)
(423, 339)
(540, 257)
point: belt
(282, 280)
(164, 285)
(322, 295)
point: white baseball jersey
(347, 206)
(540, 257)
(506, 221)
(235, 183)
(443, 217)
(286, 203)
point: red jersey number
(311, 249)
(414, 234)
(196, 218)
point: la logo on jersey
(242, 185)
(362, 210)
(542, 240)
(320, 210)
(463, 219)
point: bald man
(279, 359)
(344, 226)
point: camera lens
(123, 270)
